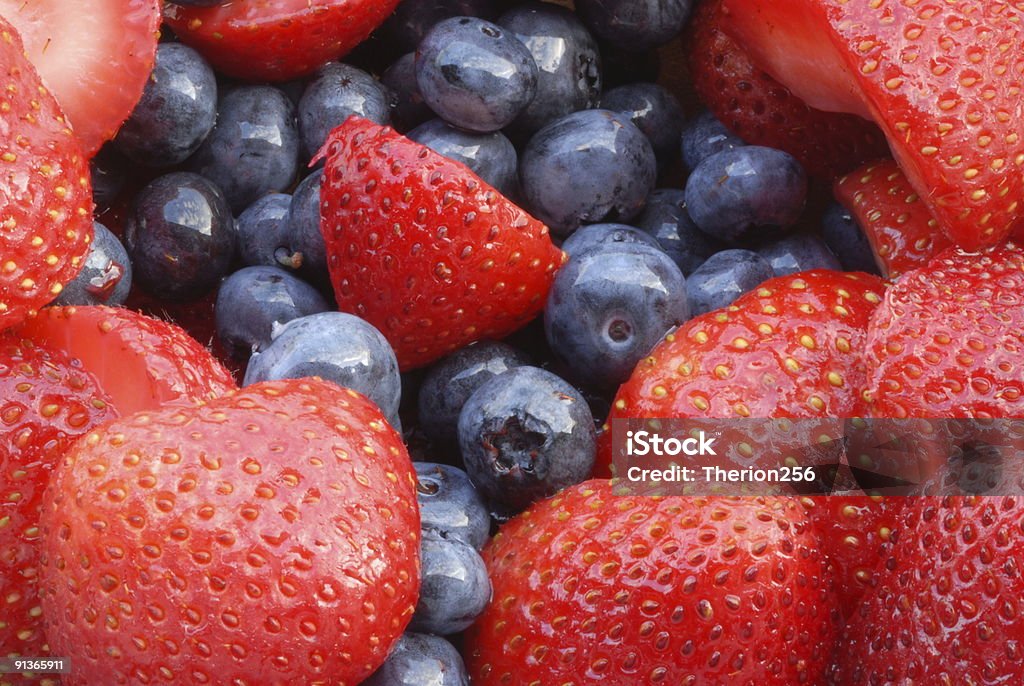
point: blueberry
(655, 111)
(609, 306)
(177, 110)
(263, 233)
(106, 276)
(733, 192)
(407, 107)
(568, 62)
(704, 136)
(474, 74)
(666, 219)
(109, 172)
(798, 253)
(490, 156)
(524, 435)
(421, 660)
(255, 301)
(180, 236)
(254, 148)
(304, 229)
(413, 19)
(635, 24)
(844, 236)
(454, 587)
(723, 278)
(337, 347)
(448, 384)
(450, 506)
(587, 167)
(337, 92)
(604, 235)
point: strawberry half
(944, 81)
(423, 249)
(45, 194)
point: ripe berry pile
(315, 315)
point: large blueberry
(666, 219)
(604, 235)
(635, 24)
(408, 110)
(263, 233)
(587, 167)
(337, 92)
(655, 111)
(304, 237)
(450, 505)
(844, 236)
(421, 660)
(413, 19)
(704, 136)
(454, 587)
(491, 156)
(798, 253)
(106, 275)
(724, 277)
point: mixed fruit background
(314, 315)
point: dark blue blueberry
(254, 148)
(337, 92)
(475, 74)
(106, 276)
(255, 301)
(180, 236)
(408, 109)
(525, 435)
(608, 307)
(592, 236)
(335, 346)
(704, 136)
(568, 62)
(723, 278)
(413, 19)
(109, 171)
(177, 110)
(655, 111)
(635, 24)
(491, 156)
(454, 587)
(421, 660)
(666, 219)
(263, 233)
(587, 167)
(304, 229)
(798, 253)
(448, 384)
(731, 193)
(450, 505)
(844, 236)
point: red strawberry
(95, 56)
(46, 402)
(425, 250)
(897, 223)
(276, 40)
(591, 587)
(270, 536)
(762, 111)
(45, 195)
(943, 81)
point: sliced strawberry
(901, 229)
(423, 249)
(943, 80)
(95, 56)
(762, 111)
(276, 40)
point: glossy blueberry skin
(180, 236)
(609, 306)
(106, 275)
(337, 92)
(474, 74)
(587, 167)
(731, 194)
(304, 229)
(337, 347)
(491, 156)
(593, 236)
(177, 110)
(723, 278)
(448, 384)
(413, 19)
(254, 148)
(568, 62)
(665, 218)
(704, 136)
(263, 233)
(255, 301)
(844, 236)
(524, 435)
(635, 24)
(454, 586)
(450, 505)
(798, 253)
(407, 107)
(421, 660)
(655, 111)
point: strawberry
(270, 536)
(942, 80)
(276, 40)
(901, 229)
(94, 56)
(590, 587)
(45, 195)
(762, 111)
(46, 402)
(425, 250)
